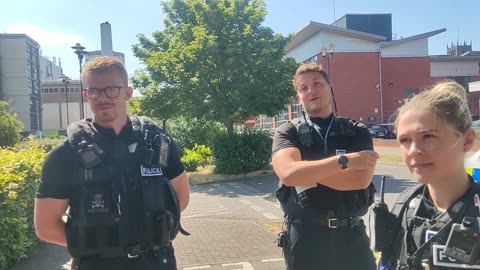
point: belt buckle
(332, 223)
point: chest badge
(153, 170)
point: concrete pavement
(233, 225)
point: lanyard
(317, 128)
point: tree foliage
(188, 131)
(10, 126)
(215, 59)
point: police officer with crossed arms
(325, 165)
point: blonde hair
(104, 64)
(310, 67)
(448, 100)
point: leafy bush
(198, 155)
(20, 170)
(10, 126)
(242, 152)
(191, 131)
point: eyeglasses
(110, 92)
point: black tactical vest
(123, 203)
(324, 201)
(417, 238)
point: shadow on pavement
(265, 186)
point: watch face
(343, 160)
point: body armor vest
(322, 201)
(415, 237)
(123, 203)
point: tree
(10, 126)
(215, 59)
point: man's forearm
(349, 179)
(303, 173)
(55, 235)
(328, 172)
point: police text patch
(151, 170)
(440, 259)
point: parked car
(385, 130)
(390, 130)
(377, 131)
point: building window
(77, 89)
(282, 117)
(296, 109)
(267, 121)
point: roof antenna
(334, 11)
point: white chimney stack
(106, 39)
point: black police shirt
(286, 136)
(61, 161)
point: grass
(393, 159)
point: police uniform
(426, 230)
(118, 217)
(324, 229)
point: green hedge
(20, 170)
(198, 155)
(188, 132)
(242, 152)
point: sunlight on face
(313, 92)
(431, 148)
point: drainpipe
(380, 89)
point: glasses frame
(104, 90)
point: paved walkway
(233, 226)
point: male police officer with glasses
(120, 178)
(325, 164)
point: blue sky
(59, 24)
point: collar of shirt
(110, 133)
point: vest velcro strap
(330, 222)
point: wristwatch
(343, 161)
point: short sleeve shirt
(61, 161)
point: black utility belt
(330, 222)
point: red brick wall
(354, 78)
(398, 74)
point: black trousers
(148, 261)
(320, 248)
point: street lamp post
(66, 81)
(80, 51)
(327, 53)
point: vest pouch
(94, 226)
(161, 228)
(358, 201)
(162, 211)
(306, 198)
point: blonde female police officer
(434, 132)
